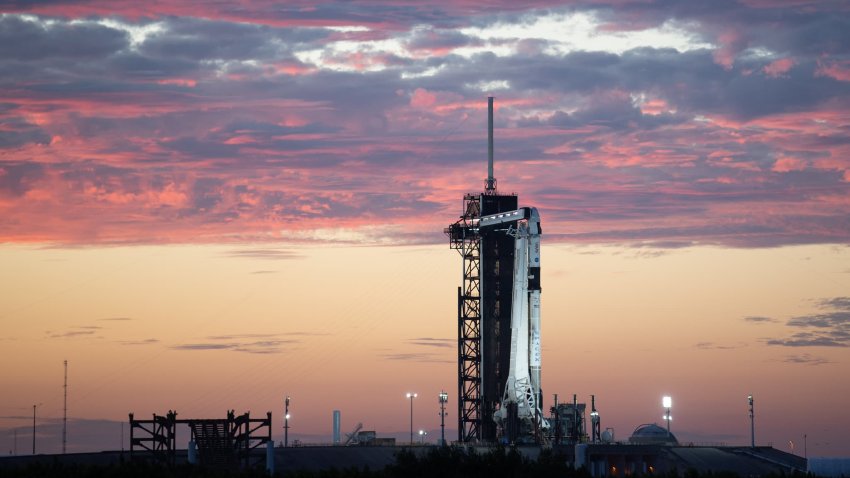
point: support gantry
(463, 237)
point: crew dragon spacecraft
(499, 354)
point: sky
(208, 206)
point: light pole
(411, 396)
(752, 423)
(444, 398)
(667, 403)
(422, 434)
(286, 423)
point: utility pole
(65, 411)
(33, 429)
(805, 446)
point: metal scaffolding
(222, 443)
(463, 237)
(157, 436)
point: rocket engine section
(519, 416)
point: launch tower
(484, 305)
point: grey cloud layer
(207, 98)
(830, 328)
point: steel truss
(222, 443)
(463, 237)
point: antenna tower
(65, 411)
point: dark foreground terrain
(436, 463)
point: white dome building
(652, 434)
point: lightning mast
(490, 186)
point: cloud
(832, 320)
(806, 339)
(266, 124)
(17, 132)
(117, 319)
(830, 328)
(429, 41)
(432, 342)
(805, 359)
(759, 319)
(242, 336)
(27, 40)
(247, 343)
(415, 357)
(140, 342)
(265, 254)
(18, 178)
(308, 334)
(203, 346)
(714, 346)
(79, 332)
(836, 303)
(425, 357)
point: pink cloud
(178, 81)
(422, 98)
(289, 68)
(835, 69)
(655, 107)
(208, 155)
(730, 43)
(785, 164)
(779, 67)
